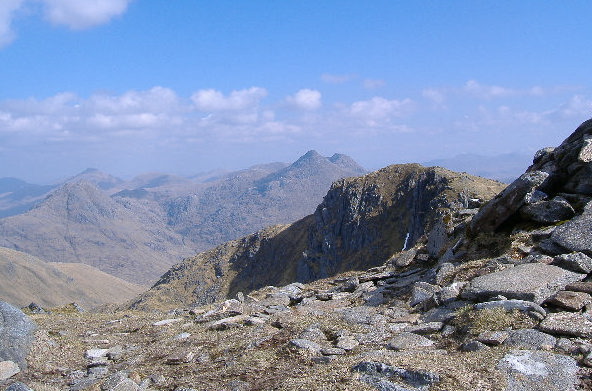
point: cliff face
(362, 222)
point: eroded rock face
(16, 334)
(534, 282)
(575, 234)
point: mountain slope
(252, 199)
(79, 223)
(27, 279)
(361, 223)
(17, 196)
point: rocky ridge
(503, 304)
(362, 222)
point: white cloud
(380, 110)
(7, 10)
(213, 100)
(438, 97)
(82, 14)
(306, 99)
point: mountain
(27, 279)
(18, 196)
(248, 200)
(137, 229)
(504, 168)
(80, 223)
(361, 223)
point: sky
(187, 86)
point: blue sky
(131, 86)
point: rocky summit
(409, 278)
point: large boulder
(16, 334)
(538, 371)
(506, 203)
(575, 234)
(534, 282)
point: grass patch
(471, 322)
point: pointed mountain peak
(310, 157)
(347, 163)
(101, 179)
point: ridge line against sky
(130, 86)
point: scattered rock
(346, 343)
(580, 286)
(473, 346)
(538, 371)
(422, 292)
(387, 377)
(18, 386)
(534, 282)
(406, 341)
(35, 308)
(165, 322)
(493, 337)
(567, 323)
(306, 345)
(181, 357)
(514, 304)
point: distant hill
(137, 229)
(18, 196)
(27, 279)
(504, 168)
(80, 223)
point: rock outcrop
(362, 222)
(16, 335)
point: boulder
(407, 341)
(506, 203)
(527, 370)
(548, 212)
(572, 301)
(530, 339)
(534, 282)
(8, 369)
(575, 234)
(16, 334)
(567, 323)
(577, 262)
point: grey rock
(332, 351)
(580, 286)
(493, 337)
(405, 258)
(350, 285)
(526, 370)
(306, 345)
(505, 204)
(16, 334)
(387, 377)
(530, 339)
(313, 333)
(576, 261)
(407, 341)
(567, 323)
(509, 305)
(346, 343)
(8, 369)
(473, 346)
(422, 292)
(548, 212)
(451, 292)
(18, 386)
(532, 282)
(425, 328)
(36, 309)
(549, 246)
(119, 382)
(575, 234)
(445, 273)
(573, 301)
(534, 197)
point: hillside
(361, 223)
(27, 279)
(17, 196)
(79, 223)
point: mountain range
(137, 229)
